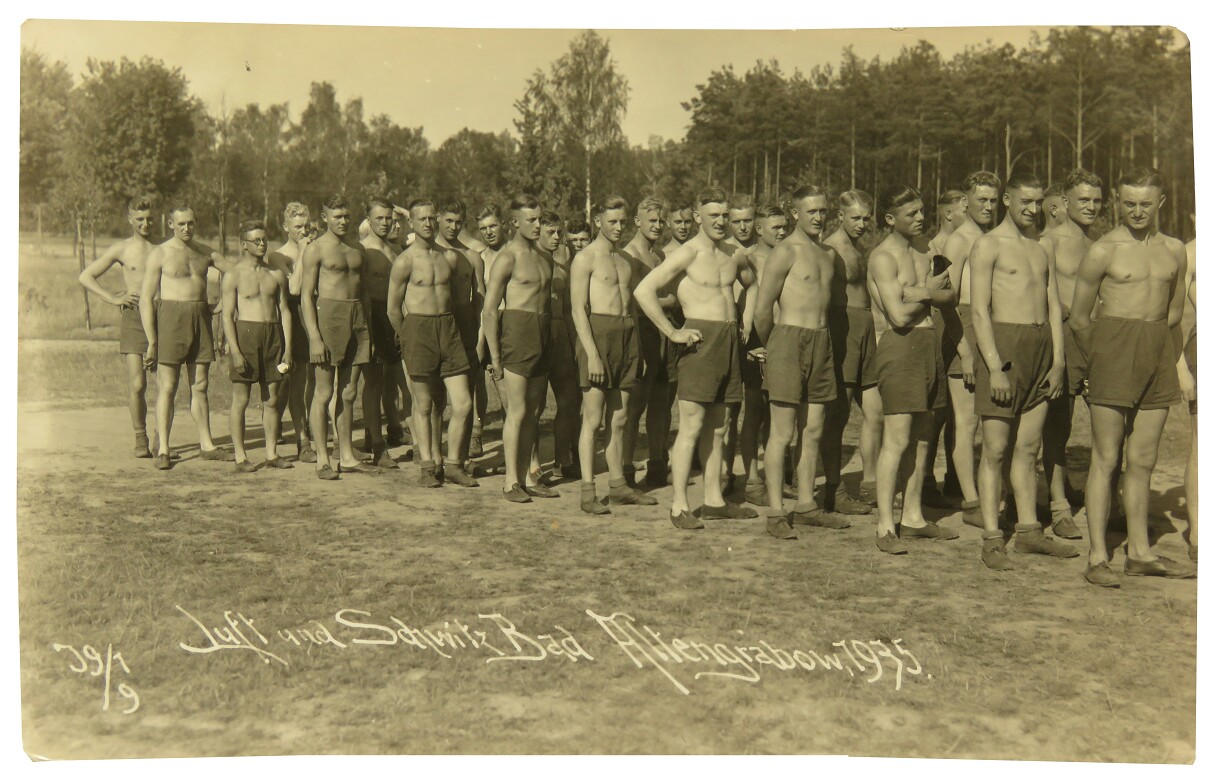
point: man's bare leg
(783, 424)
(1057, 429)
(371, 403)
(461, 402)
(240, 395)
(345, 405)
(271, 418)
(1106, 429)
(421, 431)
(199, 405)
(963, 406)
(753, 422)
(898, 440)
(712, 443)
(638, 404)
(1029, 534)
(691, 424)
(1142, 447)
(514, 425)
(921, 431)
(534, 395)
(301, 393)
(137, 378)
(439, 404)
(837, 415)
(324, 390)
(620, 491)
(871, 434)
(595, 411)
(1192, 491)
(165, 409)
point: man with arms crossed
(519, 340)
(853, 343)
(259, 332)
(1019, 366)
(424, 279)
(709, 374)
(602, 279)
(385, 358)
(908, 366)
(800, 365)
(656, 389)
(131, 253)
(179, 329)
(1068, 243)
(1138, 276)
(336, 308)
(299, 381)
(982, 189)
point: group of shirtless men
(992, 324)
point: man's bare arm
(146, 299)
(1090, 273)
(982, 260)
(500, 276)
(775, 273)
(90, 277)
(285, 314)
(580, 300)
(230, 298)
(396, 293)
(661, 276)
(309, 269)
(1177, 299)
(883, 269)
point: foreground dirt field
(275, 614)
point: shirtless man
(1068, 242)
(563, 368)
(853, 343)
(489, 220)
(179, 329)
(679, 223)
(519, 342)
(300, 378)
(1189, 383)
(701, 274)
(425, 278)
(336, 308)
(656, 389)
(1138, 275)
(469, 289)
(742, 238)
(953, 210)
(908, 366)
(385, 361)
(578, 237)
(982, 189)
(259, 332)
(1055, 209)
(602, 279)
(1019, 365)
(799, 362)
(131, 254)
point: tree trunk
(265, 181)
(587, 206)
(1009, 162)
(1080, 119)
(1156, 127)
(919, 186)
(777, 169)
(1050, 181)
(852, 154)
(766, 174)
(754, 176)
(733, 189)
(938, 178)
(79, 241)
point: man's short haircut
(896, 197)
(610, 202)
(140, 202)
(378, 202)
(548, 218)
(741, 202)
(178, 206)
(855, 197)
(808, 190)
(247, 227)
(421, 202)
(680, 205)
(951, 197)
(576, 226)
(454, 206)
(335, 202)
(981, 178)
(1141, 176)
(1024, 180)
(486, 211)
(651, 203)
(710, 195)
(293, 210)
(769, 211)
(1079, 176)
(524, 202)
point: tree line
(1103, 98)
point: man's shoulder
(1171, 242)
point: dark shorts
(263, 347)
(432, 347)
(800, 366)
(301, 342)
(752, 369)
(563, 363)
(1192, 363)
(1076, 364)
(344, 331)
(709, 372)
(660, 354)
(853, 343)
(1132, 364)
(619, 347)
(909, 371)
(383, 336)
(524, 342)
(132, 338)
(185, 331)
(468, 326)
(1028, 348)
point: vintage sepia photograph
(412, 390)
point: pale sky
(446, 79)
